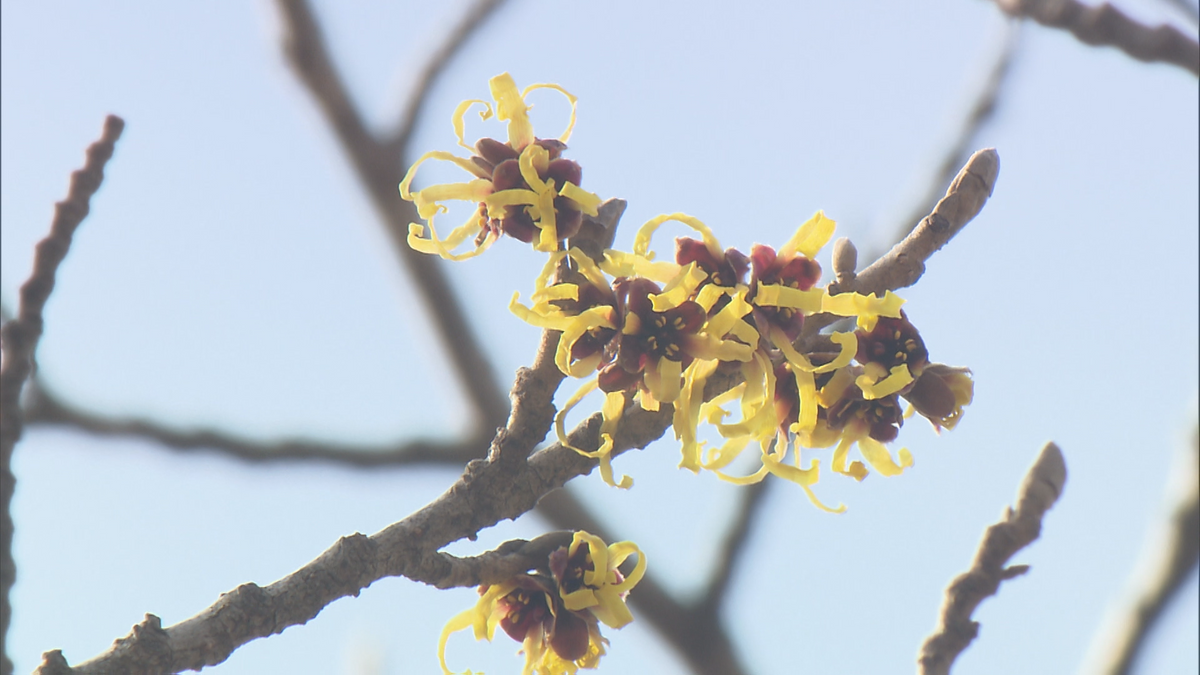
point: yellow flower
(524, 188)
(556, 618)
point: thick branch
(380, 167)
(21, 335)
(1105, 25)
(1041, 488)
(1174, 560)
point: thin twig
(380, 169)
(1042, 486)
(21, 335)
(1175, 555)
(470, 22)
(45, 408)
(1105, 25)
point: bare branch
(1175, 556)
(1041, 488)
(1105, 25)
(21, 335)
(380, 169)
(471, 21)
(733, 546)
(45, 408)
(905, 263)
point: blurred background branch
(1106, 26)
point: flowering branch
(1042, 487)
(1174, 561)
(380, 166)
(1105, 25)
(21, 335)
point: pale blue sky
(232, 273)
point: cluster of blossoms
(651, 332)
(658, 331)
(556, 612)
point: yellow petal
(810, 237)
(461, 112)
(573, 100)
(679, 289)
(588, 202)
(511, 108)
(881, 460)
(777, 295)
(621, 264)
(433, 154)
(641, 242)
(899, 378)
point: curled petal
(441, 155)
(460, 112)
(621, 264)
(443, 248)
(881, 460)
(805, 478)
(566, 135)
(687, 412)
(641, 243)
(614, 406)
(679, 289)
(856, 470)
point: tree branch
(380, 168)
(1041, 488)
(1105, 25)
(21, 335)
(45, 408)
(1174, 560)
(905, 263)
(475, 17)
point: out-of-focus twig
(1175, 556)
(1105, 25)
(984, 104)
(380, 166)
(734, 546)
(45, 408)
(1192, 12)
(20, 338)
(1042, 487)
(471, 21)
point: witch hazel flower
(523, 186)
(555, 611)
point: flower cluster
(659, 332)
(524, 187)
(556, 612)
